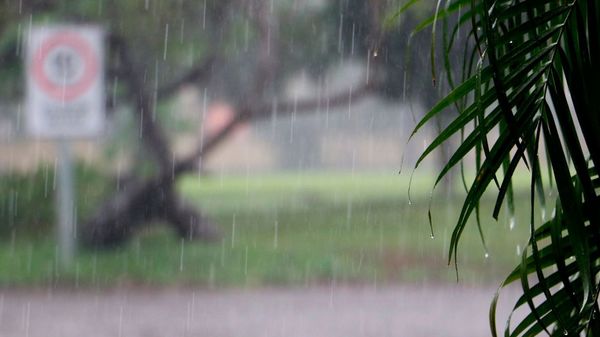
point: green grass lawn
(291, 229)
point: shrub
(27, 204)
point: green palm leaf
(532, 77)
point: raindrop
(327, 106)
(293, 119)
(276, 235)
(181, 255)
(273, 117)
(1, 307)
(94, 266)
(204, 16)
(512, 223)
(29, 257)
(247, 181)
(193, 305)
(203, 116)
(353, 162)
(487, 255)
(27, 317)
(360, 261)
(246, 262)
(350, 101)
(11, 208)
(368, 66)
(12, 243)
(77, 272)
(269, 40)
(188, 318)
(19, 114)
(543, 215)
(222, 253)
(404, 88)
(119, 169)
(166, 41)
(211, 276)
(375, 280)
(55, 172)
(173, 167)
(114, 90)
(352, 43)
(432, 236)
(518, 250)
(332, 291)
(29, 28)
(18, 42)
(233, 232)
(182, 30)
(141, 125)
(340, 33)
(348, 212)
(319, 96)
(246, 35)
(121, 321)
(380, 241)
(362, 323)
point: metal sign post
(65, 207)
(65, 100)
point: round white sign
(65, 66)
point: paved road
(412, 311)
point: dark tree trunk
(138, 204)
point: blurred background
(254, 177)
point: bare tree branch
(199, 73)
(264, 111)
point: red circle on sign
(62, 91)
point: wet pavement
(325, 311)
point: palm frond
(532, 77)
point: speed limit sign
(65, 82)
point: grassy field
(292, 229)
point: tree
(155, 48)
(153, 198)
(530, 74)
(237, 50)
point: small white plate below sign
(65, 82)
